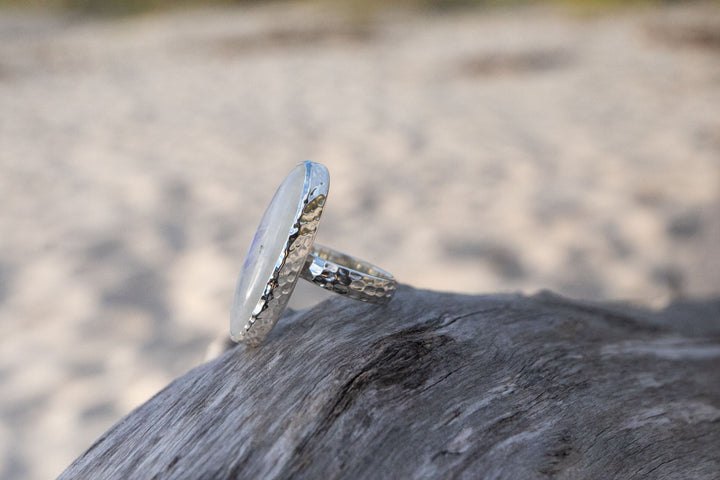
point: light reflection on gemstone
(266, 249)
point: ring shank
(346, 275)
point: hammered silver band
(348, 276)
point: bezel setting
(290, 260)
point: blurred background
(473, 147)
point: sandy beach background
(472, 151)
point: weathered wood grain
(438, 385)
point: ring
(283, 250)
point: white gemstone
(266, 249)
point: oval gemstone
(266, 249)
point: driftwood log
(439, 385)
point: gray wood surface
(439, 385)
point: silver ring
(283, 250)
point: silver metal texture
(282, 282)
(322, 266)
(348, 276)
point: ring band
(283, 251)
(346, 275)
